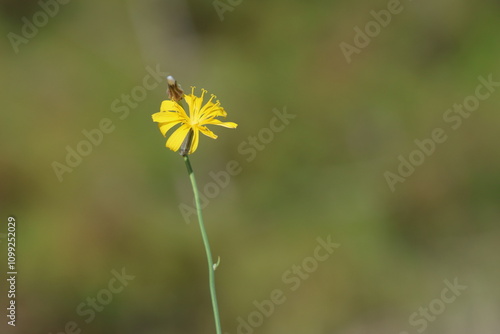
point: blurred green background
(322, 175)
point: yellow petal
(197, 103)
(167, 117)
(196, 139)
(189, 98)
(207, 132)
(169, 105)
(164, 127)
(193, 103)
(176, 139)
(212, 110)
(230, 125)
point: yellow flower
(172, 113)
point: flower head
(187, 134)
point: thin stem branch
(211, 269)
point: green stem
(211, 269)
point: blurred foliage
(322, 175)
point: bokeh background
(323, 175)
